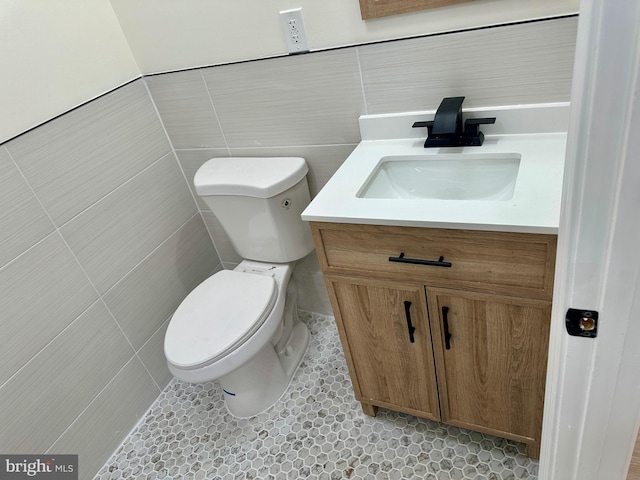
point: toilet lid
(217, 315)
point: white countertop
(534, 207)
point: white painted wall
(55, 55)
(167, 35)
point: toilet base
(291, 355)
(259, 384)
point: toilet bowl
(234, 327)
(240, 326)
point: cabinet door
(492, 375)
(390, 366)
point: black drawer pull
(434, 263)
(407, 312)
(445, 324)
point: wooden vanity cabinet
(464, 344)
(392, 366)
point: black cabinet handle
(434, 263)
(407, 312)
(445, 324)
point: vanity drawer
(519, 264)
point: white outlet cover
(293, 29)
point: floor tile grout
(316, 430)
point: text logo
(50, 467)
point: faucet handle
(472, 134)
(472, 125)
(428, 124)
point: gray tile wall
(100, 240)
(101, 235)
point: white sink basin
(469, 176)
(391, 179)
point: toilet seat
(217, 316)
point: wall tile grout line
(97, 300)
(268, 147)
(150, 253)
(27, 250)
(41, 206)
(215, 112)
(164, 322)
(184, 175)
(364, 95)
(119, 187)
(133, 357)
(153, 380)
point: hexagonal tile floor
(316, 430)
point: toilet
(241, 327)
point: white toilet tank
(259, 201)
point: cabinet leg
(369, 409)
(533, 450)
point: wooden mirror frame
(382, 8)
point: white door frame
(592, 403)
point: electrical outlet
(293, 28)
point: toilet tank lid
(261, 177)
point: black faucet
(446, 130)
